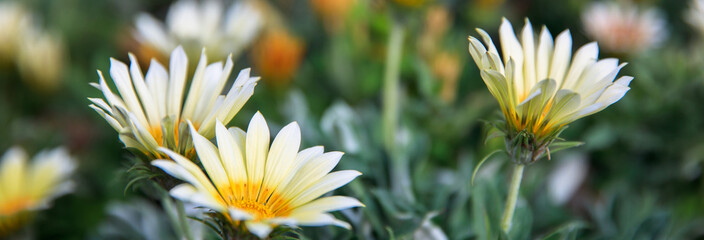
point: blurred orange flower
(411, 3)
(277, 56)
(447, 68)
(333, 13)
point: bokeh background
(323, 62)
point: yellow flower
(151, 112)
(262, 186)
(538, 88)
(195, 26)
(28, 187)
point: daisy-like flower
(150, 111)
(27, 187)
(195, 26)
(14, 20)
(623, 27)
(259, 186)
(695, 15)
(40, 60)
(541, 88)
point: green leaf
(566, 231)
(391, 233)
(476, 169)
(558, 146)
(493, 133)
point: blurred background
(323, 63)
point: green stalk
(391, 87)
(512, 196)
(401, 179)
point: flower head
(14, 19)
(540, 87)
(151, 112)
(259, 185)
(40, 60)
(623, 28)
(37, 54)
(195, 26)
(26, 187)
(333, 13)
(277, 56)
(695, 15)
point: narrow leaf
(476, 169)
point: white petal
(262, 230)
(528, 56)
(188, 193)
(326, 184)
(157, 81)
(152, 32)
(512, 50)
(237, 214)
(230, 155)
(312, 171)
(585, 56)
(194, 93)
(198, 179)
(329, 204)
(177, 81)
(282, 155)
(561, 57)
(544, 55)
(256, 150)
(145, 96)
(12, 172)
(209, 157)
(318, 219)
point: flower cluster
(247, 183)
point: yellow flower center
(15, 205)
(257, 209)
(255, 200)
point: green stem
(391, 111)
(391, 87)
(512, 196)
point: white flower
(26, 187)
(567, 177)
(258, 185)
(538, 88)
(695, 15)
(14, 20)
(623, 28)
(196, 26)
(40, 60)
(151, 112)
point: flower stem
(512, 196)
(391, 111)
(391, 86)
